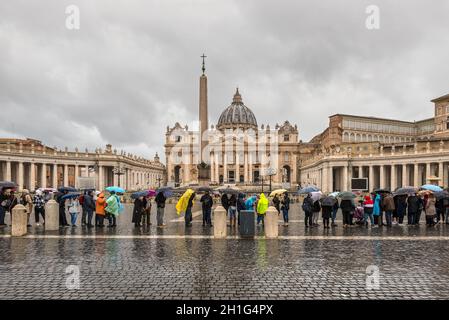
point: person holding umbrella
(414, 203)
(430, 210)
(206, 206)
(139, 208)
(73, 207)
(307, 207)
(39, 207)
(160, 205)
(285, 207)
(113, 209)
(62, 210)
(389, 207)
(4, 205)
(347, 207)
(146, 215)
(88, 208)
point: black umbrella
(68, 189)
(204, 189)
(7, 184)
(382, 191)
(441, 195)
(328, 201)
(230, 191)
(405, 191)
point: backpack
(316, 206)
(306, 206)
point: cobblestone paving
(412, 265)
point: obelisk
(204, 163)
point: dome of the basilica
(237, 115)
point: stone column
(8, 171)
(115, 180)
(76, 175)
(66, 175)
(293, 175)
(217, 168)
(330, 178)
(186, 173)
(427, 172)
(324, 180)
(382, 176)
(20, 176)
(100, 184)
(250, 169)
(32, 176)
(245, 168)
(44, 176)
(393, 177)
(416, 183)
(55, 176)
(237, 167)
(225, 167)
(371, 178)
(87, 170)
(345, 178)
(440, 173)
(360, 171)
(404, 175)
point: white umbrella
(316, 195)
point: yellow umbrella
(277, 192)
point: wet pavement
(172, 263)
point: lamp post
(119, 171)
(270, 172)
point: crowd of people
(236, 202)
(378, 209)
(89, 208)
(94, 207)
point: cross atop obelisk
(204, 66)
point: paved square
(172, 263)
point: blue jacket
(376, 208)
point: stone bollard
(220, 226)
(271, 223)
(19, 221)
(51, 215)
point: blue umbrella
(115, 189)
(168, 191)
(431, 187)
(139, 194)
(71, 195)
(308, 189)
(68, 189)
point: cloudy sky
(133, 66)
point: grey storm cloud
(133, 67)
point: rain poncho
(262, 205)
(113, 205)
(181, 206)
(249, 203)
